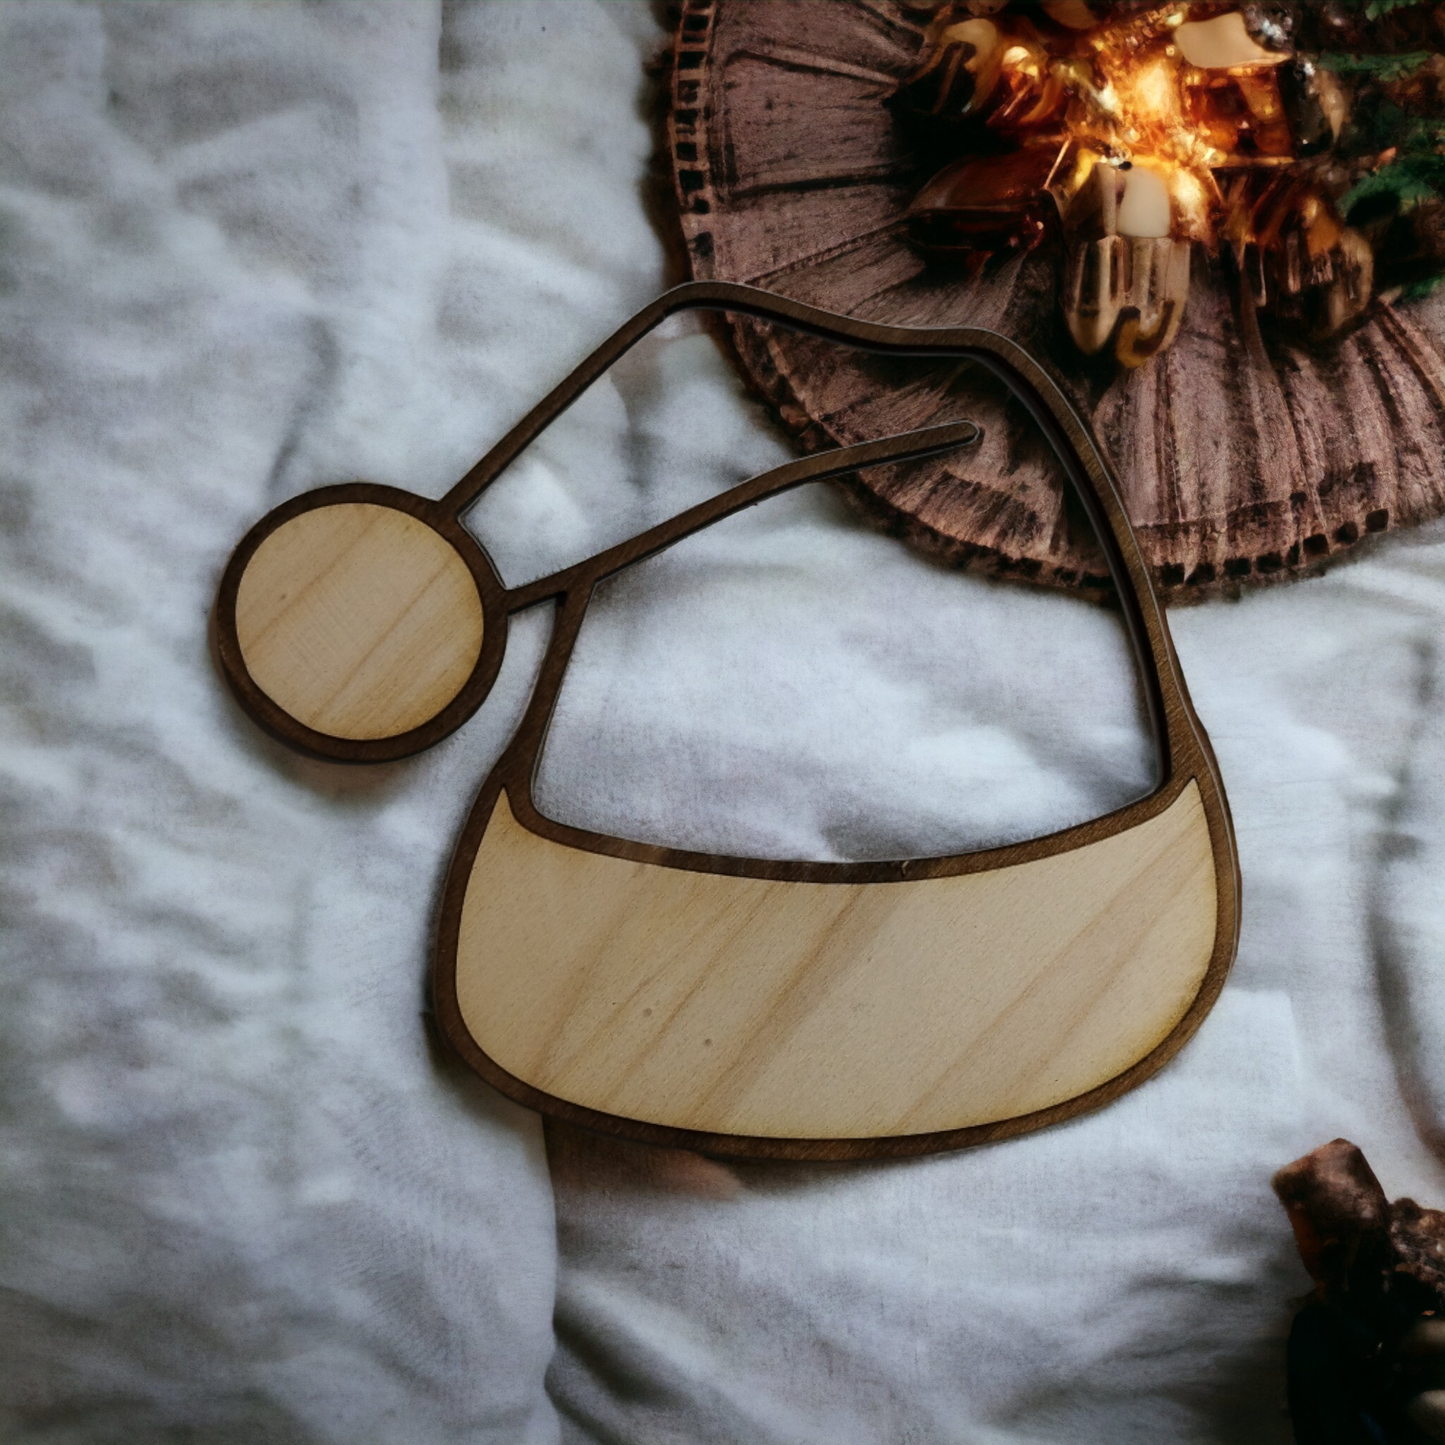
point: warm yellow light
(1156, 92)
(1191, 202)
(1130, 106)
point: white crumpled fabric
(248, 249)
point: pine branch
(1380, 67)
(1402, 184)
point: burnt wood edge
(902, 447)
(1184, 756)
(515, 771)
(1039, 391)
(275, 720)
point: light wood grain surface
(832, 1011)
(359, 620)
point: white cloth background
(247, 249)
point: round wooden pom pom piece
(359, 620)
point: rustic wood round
(1242, 457)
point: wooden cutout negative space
(743, 1006)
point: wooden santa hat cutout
(735, 1005)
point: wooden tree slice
(1242, 456)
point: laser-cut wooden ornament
(1242, 457)
(736, 1005)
